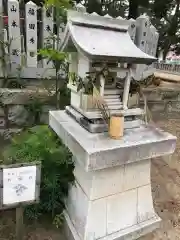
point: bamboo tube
(116, 126)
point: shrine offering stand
(111, 198)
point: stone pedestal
(112, 195)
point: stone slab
(111, 212)
(111, 181)
(8, 133)
(166, 75)
(98, 127)
(131, 233)
(97, 114)
(24, 96)
(98, 151)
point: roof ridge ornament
(120, 18)
(132, 20)
(94, 14)
(93, 20)
(80, 8)
(107, 16)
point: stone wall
(18, 108)
(15, 105)
(163, 99)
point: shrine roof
(102, 38)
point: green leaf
(65, 4)
(40, 143)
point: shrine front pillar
(111, 198)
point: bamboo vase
(116, 126)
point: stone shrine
(89, 53)
(111, 198)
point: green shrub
(40, 143)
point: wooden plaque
(20, 184)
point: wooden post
(19, 223)
(20, 185)
(31, 34)
(126, 88)
(14, 31)
(102, 85)
(47, 32)
(1, 37)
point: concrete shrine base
(130, 233)
(112, 196)
(112, 203)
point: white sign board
(19, 184)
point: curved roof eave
(94, 43)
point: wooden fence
(167, 67)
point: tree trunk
(133, 9)
(165, 52)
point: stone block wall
(15, 103)
(160, 100)
(163, 100)
(17, 107)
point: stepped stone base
(111, 198)
(112, 203)
(131, 233)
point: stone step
(115, 106)
(113, 101)
(97, 114)
(111, 92)
(100, 127)
(111, 97)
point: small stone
(2, 122)
(19, 116)
(9, 133)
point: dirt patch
(35, 231)
(165, 177)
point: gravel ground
(165, 177)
